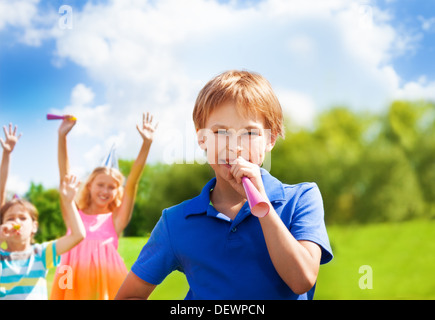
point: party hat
(111, 161)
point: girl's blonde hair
(84, 196)
(30, 208)
(250, 92)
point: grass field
(401, 257)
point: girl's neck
(93, 210)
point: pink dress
(92, 270)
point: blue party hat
(111, 161)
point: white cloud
(93, 121)
(427, 24)
(19, 13)
(299, 108)
(156, 55)
(16, 185)
(82, 95)
(416, 90)
(36, 25)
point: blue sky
(410, 15)
(124, 57)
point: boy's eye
(222, 131)
(251, 133)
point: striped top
(23, 274)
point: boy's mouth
(227, 161)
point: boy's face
(228, 135)
(17, 215)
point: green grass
(402, 258)
(174, 287)
(401, 255)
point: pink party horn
(259, 206)
(56, 117)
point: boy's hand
(66, 125)
(243, 168)
(69, 188)
(11, 138)
(147, 131)
(7, 229)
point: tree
(363, 163)
(162, 186)
(50, 221)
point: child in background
(105, 207)
(223, 249)
(24, 265)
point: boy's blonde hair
(84, 196)
(250, 92)
(30, 208)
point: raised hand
(69, 188)
(67, 124)
(147, 129)
(11, 138)
(5, 231)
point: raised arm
(8, 146)
(68, 190)
(62, 157)
(62, 151)
(122, 215)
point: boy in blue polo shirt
(223, 249)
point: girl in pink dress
(94, 269)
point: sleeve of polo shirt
(308, 220)
(157, 259)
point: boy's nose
(234, 142)
(234, 150)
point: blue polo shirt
(228, 259)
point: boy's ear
(201, 135)
(271, 142)
(34, 227)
